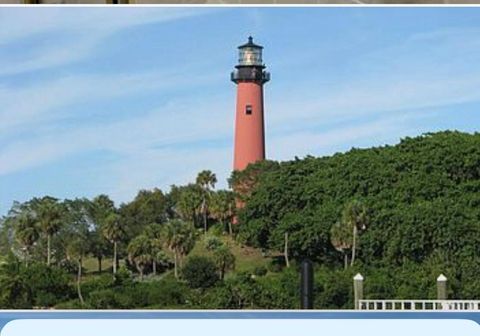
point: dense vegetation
(400, 215)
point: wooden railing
(418, 305)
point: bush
(103, 299)
(166, 293)
(276, 265)
(213, 243)
(200, 272)
(37, 285)
(71, 304)
(47, 285)
(260, 271)
(217, 229)
(124, 277)
(104, 281)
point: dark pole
(306, 285)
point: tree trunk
(175, 261)
(154, 267)
(48, 249)
(285, 251)
(230, 230)
(27, 255)
(204, 207)
(345, 260)
(99, 259)
(79, 279)
(115, 257)
(222, 272)
(354, 245)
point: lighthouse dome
(250, 54)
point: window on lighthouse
(248, 109)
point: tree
(179, 238)
(49, 216)
(98, 210)
(76, 250)
(341, 239)
(200, 272)
(77, 234)
(114, 231)
(354, 217)
(224, 260)
(140, 253)
(222, 208)
(154, 232)
(14, 291)
(205, 180)
(26, 232)
(98, 247)
(189, 202)
(148, 207)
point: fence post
(358, 289)
(306, 285)
(441, 287)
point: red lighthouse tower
(249, 120)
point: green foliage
(200, 272)
(222, 208)
(140, 252)
(420, 198)
(276, 265)
(224, 260)
(166, 293)
(37, 285)
(212, 243)
(260, 271)
(403, 214)
(180, 239)
(149, 206)
(47, 285)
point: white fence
(418, 305)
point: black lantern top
(250, 54)
(250, 67)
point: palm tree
(76, 249)
(15, 288)
(114, 231)
(223, 208)
(341, 238)
(26, 232)
(224, 259)
(140, 253)
(179, 238)
(98, 210)
(354, 216)
(205, 180)
(154, 233)
(49, 215)
(189, 203)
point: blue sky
(97, 100)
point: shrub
(71, 304)
(159, 294)
(213, 243)
(276, 265)
(200, 272)
(47, 285)
(103, 299)
(103, 281)
(260, 271)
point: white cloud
(82, 29)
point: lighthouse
(249, 75)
